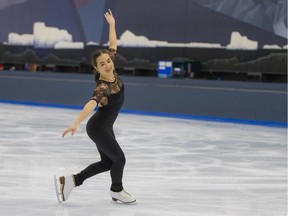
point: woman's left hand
(109, 17)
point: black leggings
(100, 130)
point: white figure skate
(122, 196)
(63, 186)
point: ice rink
(175, 167)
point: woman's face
(105, 64)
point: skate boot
(67, 184)
(122, 196)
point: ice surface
(175, 167)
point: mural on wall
(225, 24)
(268, 15)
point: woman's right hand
(88, 108)
(72, 129)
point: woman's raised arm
(112, 30)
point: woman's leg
(112, 149)
(100, 130)
(94, 169)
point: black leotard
(109, 97)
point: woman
(109, 97)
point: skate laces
(125, 193)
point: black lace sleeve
(100, 94)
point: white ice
(175, 167)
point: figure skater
(109, 97)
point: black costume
(110, 96)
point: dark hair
(95, 56)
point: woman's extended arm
(112, 30)
(88, 108)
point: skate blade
(115, 200)
(58, 194)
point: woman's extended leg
(94, 169)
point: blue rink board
(159, 114)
